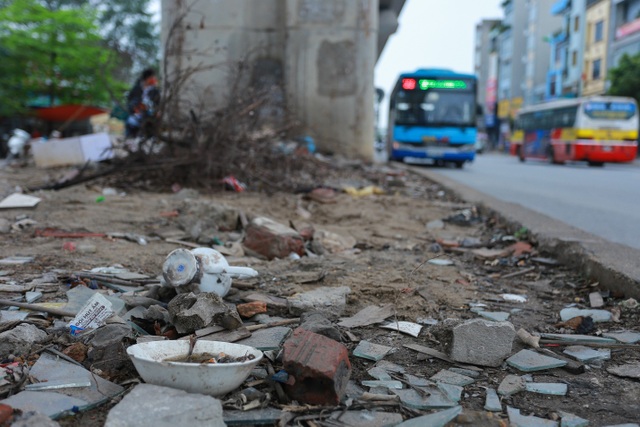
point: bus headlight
(466, 147)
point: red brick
(521, 248)
(320, 367)
(77, 352)
(273, 240)
(250, 309)
(6, 412)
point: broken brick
(250, 309)
(6, 412)
(273, 240)
(521, 248)
(77, 352)
(320, 367)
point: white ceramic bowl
(215, 379)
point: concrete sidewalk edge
(615, 266)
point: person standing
(141, 102)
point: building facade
(596, 47)
(564, 78)
(624, 30)
(540, 23)
(511, 68)
(482, 51)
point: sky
(433, 33)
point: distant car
(481, 142)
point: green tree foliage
(129, 28)
(625, 78)
(53, 51)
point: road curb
(616, 267)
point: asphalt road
(603, 201)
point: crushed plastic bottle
(201, 270)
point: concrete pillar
(214, 36)
(314, 58)
(330, 56)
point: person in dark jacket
(142, 101)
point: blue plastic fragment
(281, 377)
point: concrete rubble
(428, 345)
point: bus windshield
(435, 108)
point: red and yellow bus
(597, 130)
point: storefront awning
(63, 113)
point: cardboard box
(72, 151)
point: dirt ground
(387, 264)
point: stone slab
(154, 406)
(267, 339)
(482, 342)
(329, 300)
(511, 384)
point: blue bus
(432, 118)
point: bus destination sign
(426, 84)
(610, 110)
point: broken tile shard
(595, 300)
(366, 418)
(586, 354)
(530, 361)
(383, 384)
(369, 316)
(570, 420)
(624, 337)
(578, 338)
(557, 389)
(408, 328)
(266, 416)
(371, 351)
(434, 398)
(267, 339)
(46, 402)
(596, 315)
(438, 419)
(496, 316)
(492, 402)
(18, 200)
(446, 376)
(453, 392)
(518, 420)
